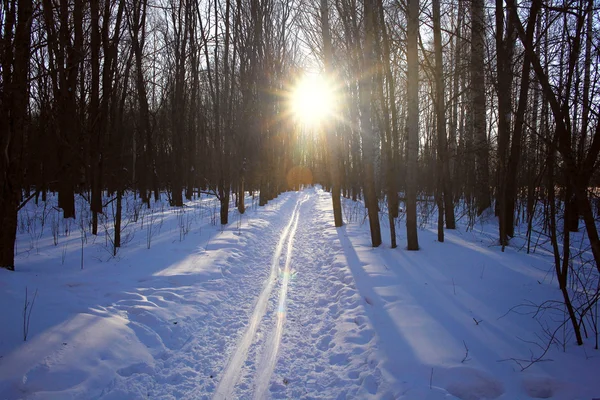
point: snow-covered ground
(279, 304)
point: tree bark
(504, 90)
(412, 145)
(94, 116)
(444, 178)
(369, 138)
(478, 107)
(330, 125)
(14, 99)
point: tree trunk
(137, 24)
(14, 98)
(478, 107)
(331, 126)
(388, 120)
(366, 126)
(563, 271)
(224, 199)
(118, 214)
(504, 89)
(412, 145)
(94, 116)
(8, 233)
(444, 178)
(241, 206)
(178, 106)
(515, 150)
(586, 82)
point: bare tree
(412, 124)
(478, 106)
(15, 42)
(330, 126)
(444, 190)
(366, 124)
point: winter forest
(405, 128)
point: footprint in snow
(324, 343)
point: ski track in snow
(326, 349)
(234, 366)
(190, 366)
(272, 346)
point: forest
(477, 106)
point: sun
(313, 100)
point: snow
(278, 304)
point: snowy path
(310, 337)
(234, 366)
(267, 365)
(328, 347)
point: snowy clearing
(279, 304)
